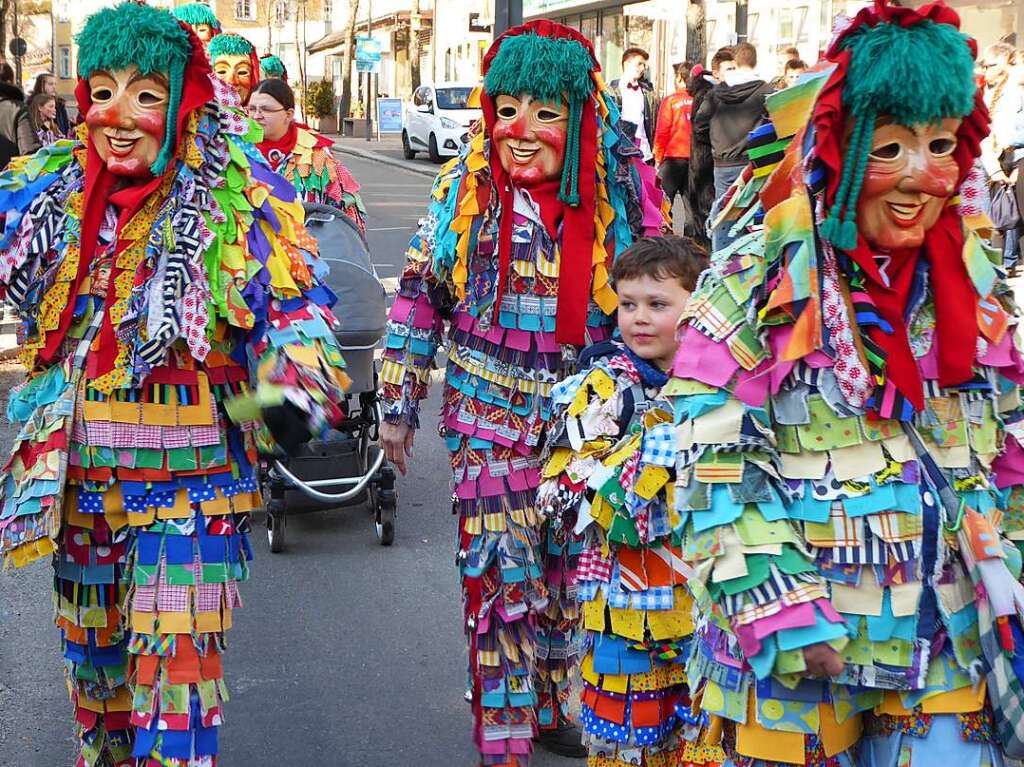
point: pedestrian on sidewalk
(701, 190)
(794, 69)
(12, 101)
(47, 83)
(635, 700)
(728, 114)
(856, 574)
(300, 154)
(503, 268)
(638, 103)
(672, 141)
(181, 266)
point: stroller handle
(309, 488)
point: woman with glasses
(300, 154)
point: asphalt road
(345, 653)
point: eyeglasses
(259, 111)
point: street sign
(367, 50)
(389, 115)
(373, 67)
(18, 46)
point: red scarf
(100, 192)
(283, 145)
(956, 302)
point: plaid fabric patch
(656, 598)
(209, 597)
(593, 567)
(659, 446)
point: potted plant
(320, 104)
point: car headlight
(449, 124)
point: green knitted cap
(916, 74)
(195, 14)
(147, 37)
(229, 44)
(549, 69)
(271, 66)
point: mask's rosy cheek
(102, 117)
(940, 177)
(553, 137)
(152, 122)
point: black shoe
(565, 740)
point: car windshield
(453, 98)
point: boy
(628, 578)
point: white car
(438, 120)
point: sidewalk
(387, 151)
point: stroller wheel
(384, 518)
(275, 532)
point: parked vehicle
(438, 120)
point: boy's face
(649, 309)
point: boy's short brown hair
(661, 258)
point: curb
(374, 157)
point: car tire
(407, 151)
(432, 150)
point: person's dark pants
(674, 173)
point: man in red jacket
(672, 140)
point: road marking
(390, 284)
(387, 228)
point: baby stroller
(348, 469)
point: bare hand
(396, 439)
(822, 660)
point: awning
(328, 41)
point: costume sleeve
(416, 323)
(663, 131)
(267, 282)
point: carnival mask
(128, 119)
(530, 137)
(910, 177)
(204, 32)
(236, 71)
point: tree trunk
(298, 56)
(350, 52)
(414, 47)
(696, 33)
(5, 11)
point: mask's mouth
(524, 152)
(121, 142)
(906, 213)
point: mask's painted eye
(888, 151)
(942, 147)
(548, 115)
(507, 112)
(102, 94)
(150, 98)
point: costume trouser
(142, 606)
(914, 740)
(519, 609)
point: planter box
(328, 124)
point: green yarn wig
(919, 73)
(229, 44)
(272, 66)
(548, 68)
(195, 14)
(152, 40)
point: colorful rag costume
(304, 157)
(629, 575)
(490, 261)
(149, 306)
(828, 397)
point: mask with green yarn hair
(905, 90)
(133, 122)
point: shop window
(753, 21)
(613, 42)
(588, 27)
(280, 13)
